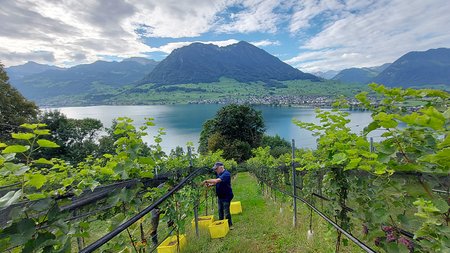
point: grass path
(263, 228)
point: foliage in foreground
(40, 188)
(385, 186)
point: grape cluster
(365, 229)
(392, 236)
(407, 242)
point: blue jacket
(223, 189)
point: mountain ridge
(206, 63)
(80, 78)
(416, 68)
(359, 75)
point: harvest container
(235, 207)
(203, 221)
(219, 229)
(170, 244)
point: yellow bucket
(235, 207)
(203, 221)
(219, 229)
(170, 244)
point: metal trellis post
(294, 186)
(372, 149)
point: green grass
(229, 88)
(263, 228)
(224, 89)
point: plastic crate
(203, 221)
(219, 229)
(235, 207)
(170, 244)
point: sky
(311, 35)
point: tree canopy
(14, 108)
(235, 129)
(76, 137)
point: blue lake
(183, 123)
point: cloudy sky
(312, 35)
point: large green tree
(77, 138)
(14, 108)
(235, 129)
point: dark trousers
(155, 222)
(224, 211)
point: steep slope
(359, 75)
(29, 68)
(327, 74)
(201, 63)
(429, 67)
(97, 76)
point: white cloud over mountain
(326, 34)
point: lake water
(183, 123)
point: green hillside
(224, 91)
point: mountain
(359, 75)
(380, 68)
(327, 74)
(207, 63)
(429, 67)
(86, 78)
(29, 68)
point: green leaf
(146, 160)
(23, 136)
(353, 163)
(10, 198)
(47, 144)
(443, 144)
(43, 161)
(441, 205)
(339, 158)
(109, 156)
(146, 174)
(29, 126)
(386, 120)
(67, 181)
(21, 232)
(107, 171)
(2, 145)
(15, 149)
(20, 169)
(42, 131)
(36, 196)
(119, 131)
(37, 180)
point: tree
(235, 129)
(278, 146)
(14, 108)
(76, 137)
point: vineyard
(388, 196)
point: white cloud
(256, 16)
(348, 33)
(305, 11)
(265, 43)
(169, 47)
(177, 19)
(377, 34)
(97, 29)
